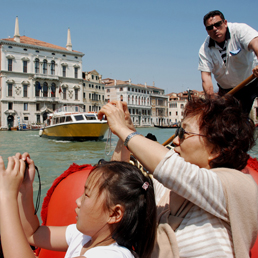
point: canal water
(53, 157)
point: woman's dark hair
(212, 14)
(123, 184)
(226, 127)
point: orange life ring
(58, 208)
(252, 169)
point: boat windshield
(90, 117)
(79, 117)
(68, 119)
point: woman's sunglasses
(217, 25)
(180, 132)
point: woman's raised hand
(117, 115)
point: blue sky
(141, 40)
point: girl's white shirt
(76, 240)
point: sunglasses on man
(180, 132)
(217, 25)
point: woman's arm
(198, 185)
(148, 152)
(121, 153)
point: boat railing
(72, 109)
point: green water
(53, 157)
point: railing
(69, 109)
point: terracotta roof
(36, 42)
(111, 82)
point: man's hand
(255, 71)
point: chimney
(69, 42)
(16, 31)
(130, 81)
(145, 84)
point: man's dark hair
(212, 14)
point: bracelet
(130, 136)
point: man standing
(229, 52)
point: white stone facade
(36, 78)
(144, 102)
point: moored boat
(168, 126)
(72, 124)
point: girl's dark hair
(122, 183)
(212, 14)
(226, 127)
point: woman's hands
(118, 116)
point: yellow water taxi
(72, 124)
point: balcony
(47, 99)
(46, 77)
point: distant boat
(70, 123)
(168, 126)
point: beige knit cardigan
(241, 194)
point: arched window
(44, 66)
(121, 97)
(53, 90)
(129, 99)
(37, 88)
(36, 65)
(45, 89)
(52, 68)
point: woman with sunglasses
(229, 52)
(206, 206)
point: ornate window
(25, 105)
(52, 67)
(10, 90)
(76, 94)
(10, 64)
(53, 90)
(64, 93)
(36, 65)
(45, 89)
(25, 90)
(76, 72)
(44, 66)
(64, 71)
(37, 89)
(25, 66)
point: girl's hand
(11, 177)
(29, 173)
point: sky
(152, 41)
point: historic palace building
(36, 78)
(147, 104)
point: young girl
(116, 215)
